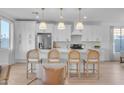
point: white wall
(105, 40)
(12, 47)
(4, 56)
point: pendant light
(61, 25)
(79, 24)
(42, 25)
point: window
(4, 34)
(118, 39)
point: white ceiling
(70, 14)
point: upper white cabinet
(24, 38)
(62, 35)
(91, 33)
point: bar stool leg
(27, 71)
(77, 67)
(87, 71)
(79, 70)
(98, 70)
(68, 71)
(93, 68)
(31, 67)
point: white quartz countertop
(63, 50)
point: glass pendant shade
(79, 26)
(61, 26)
(42, 26)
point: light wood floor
(111, 73)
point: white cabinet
(62, 35)
(91, 33)
(24, 38)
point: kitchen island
(63, 54)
